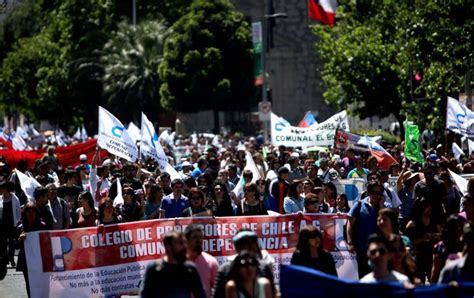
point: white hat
(82, 157)
(186, 164)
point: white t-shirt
(394, 276)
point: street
(13, 285)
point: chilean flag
(307, 120)
(323, 11)
(384, 159)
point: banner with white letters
(114, 138)
(111, 260)
(318, 134)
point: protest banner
(114, 138)
(150, 146)
(110, 260)
(459, 118)
(68, 156)
(352, 188)
(321, 134)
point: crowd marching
(417, 232)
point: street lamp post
(267, 17)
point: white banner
(114, 138)
(134, 132)
(150, 146)
(321, 134)
(459, 118)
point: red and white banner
(111, 260)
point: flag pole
(446, 130)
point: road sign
(264, 110)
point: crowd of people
(416, 233)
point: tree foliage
(371, 53)
(44, 76)
(208, 60)
(131, 59)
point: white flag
(459, 118)
(22, 132)
(150, 146)
(470, 145)
(215, 141)
(114, 138)
(460, 182)
(457, 151)
(34, 131)
(83, 133)
(77, 135)
(164, 136)
(118, 200)
(173, 173)
(27, 184)
(134, 132)
(18, 143)
(249, 165)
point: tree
(131, 59)
(371, 53)
(49, 75)
(33, 78)
(208, 61)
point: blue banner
(299, 282)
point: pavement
(13, 285)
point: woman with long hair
(251, 204)
(243, 280)
(294, 202)
(86, 213)
(196, 200)
(219, 202)
(423, 235)
(107, 214)
(342, 204)
(450, 246)
(310, 252)
(30, 221)
(401, 260)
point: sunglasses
(382, 251)
(109, 206)
(248, 262)
(260, 183)
(311, 202)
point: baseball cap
(82, 157)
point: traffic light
(417, 90)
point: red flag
(323, 11)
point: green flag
(412, 143)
